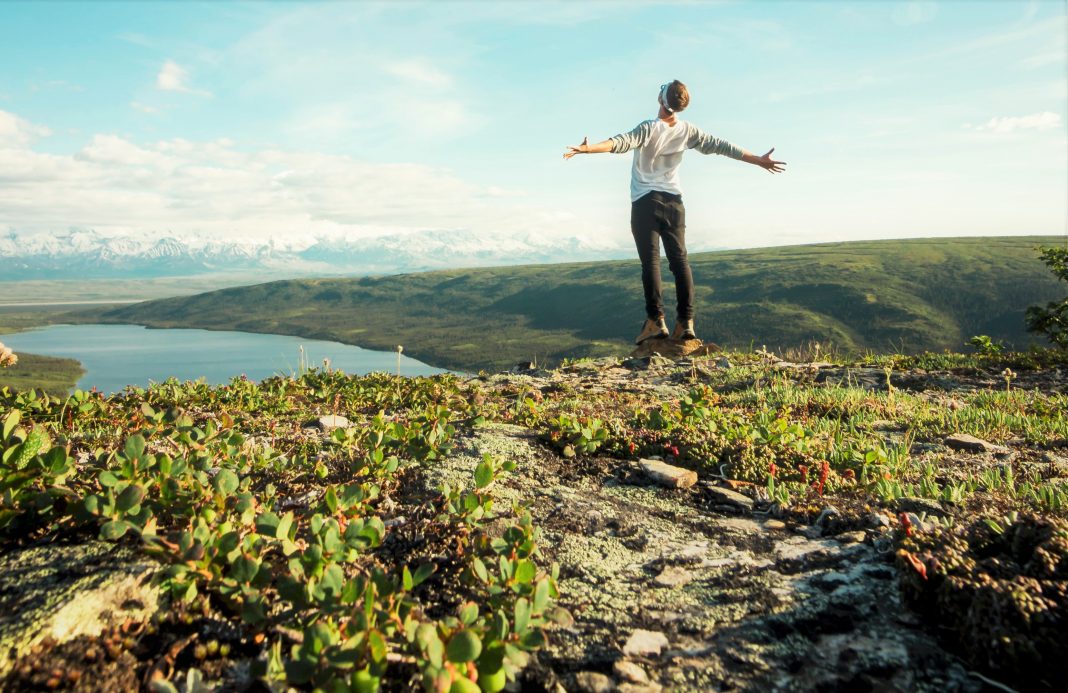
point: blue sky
(273, 119)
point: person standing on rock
(656, 209)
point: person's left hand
(580, 149)
(770, 165)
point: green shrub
(1052, 321)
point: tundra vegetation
(298, 548)
(901, 296)
(314, 532)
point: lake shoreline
(115, 356)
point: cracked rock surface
(702, 600)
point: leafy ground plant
(313, 592)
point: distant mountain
(898, 296)
(91, 255)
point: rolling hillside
(906, 295)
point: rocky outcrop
(666, 587)
(60, 592)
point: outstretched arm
(623, 142)
(707, 144)
(765, 162)
(587, 148)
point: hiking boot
(683, 330)
(653, 329)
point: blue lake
(115, 356)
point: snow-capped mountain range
(85, 253)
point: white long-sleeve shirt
(658, 149)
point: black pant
(653, 216)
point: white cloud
(174, 77)
(214, 188)
(16, 132)
(1006, 124)
(143, 107)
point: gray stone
(645, 643)
(668, 475)
(642, 363)
(332, 421)
(629, 671)
(62, 592)
(851, 537)
(673, 576)
(1058, 464)
(593, 682)
(909, 504)
(723, 362)
(879, 520)
(729, 497)
(827, 515)
(968, 443)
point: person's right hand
(572, 150)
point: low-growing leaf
(468, 613)
(134, 448)
(244, 569)
(267, 524)
(423, 572)
(464, 685)
(525, 571)
(484, 473)
(225, 482)
(110, 531)
(480, 569)
(130, 497)
(10, 422)
(284, 526)
(364, 682)
(541, 596)
(522, 614)
(376, 646)
(464, 646)
(429, 642)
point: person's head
(674, 97)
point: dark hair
(678, 96)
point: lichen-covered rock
(63, 591)
(1001, 590)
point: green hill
(904, 295)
